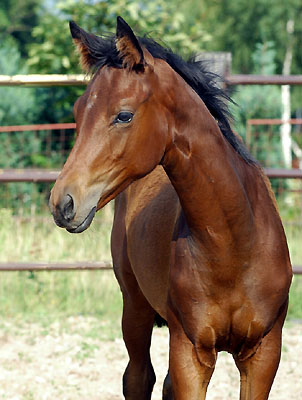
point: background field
(49, 295)
(60, 334)
(35, 39)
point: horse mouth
(107, 197)
(85, 224)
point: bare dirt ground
(53, 362)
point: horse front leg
(190, 368)
(167, 388)
(137, 325)
(257, 372)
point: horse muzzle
(66, 216)
(85, 224)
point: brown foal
(197, 237)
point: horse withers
(197, 238)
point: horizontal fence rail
(264, 80)
(80, 79)
(273, 121)
(275, 173)
(44, 80)
(44, 127)
(28, 175)
(76, 266)
(39, 145)
(297, 270)
(48, 266)
(39, 175)
(45, 175)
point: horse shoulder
(146, 214)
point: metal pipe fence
(280, 181)
(48, 176)
(80, 80)
(48, 266)
(76, 266)
(36, 175)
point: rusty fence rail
(46, 127)
(46, 175)
(80, 80)
(263, 80)
(73, 266)
(39, 175)
(48, 142)
(48, 266)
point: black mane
(103, 52)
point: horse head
(121, 125)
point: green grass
(294, 238)
(295, 299)
(48, 296)
(37, 238)
(45, 297)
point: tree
(17, 18)
(53, 49)
(17, 105)
(285, 130)
(53, 52)
(238, 26)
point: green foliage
(258, 102)
(263, 58)
(53, 49)
(18, 105)
(17, 17)
(240, 25)
(56, 103)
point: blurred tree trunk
(285, 132)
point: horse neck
(206, 174)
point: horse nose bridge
(61, 199)
(58, 192)
(66, 183)
(54, 199)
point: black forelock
(204, 83)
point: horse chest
(215, 313)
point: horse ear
(84, 43)
(128, 46)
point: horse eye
(124, 117)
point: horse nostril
(68, 208)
